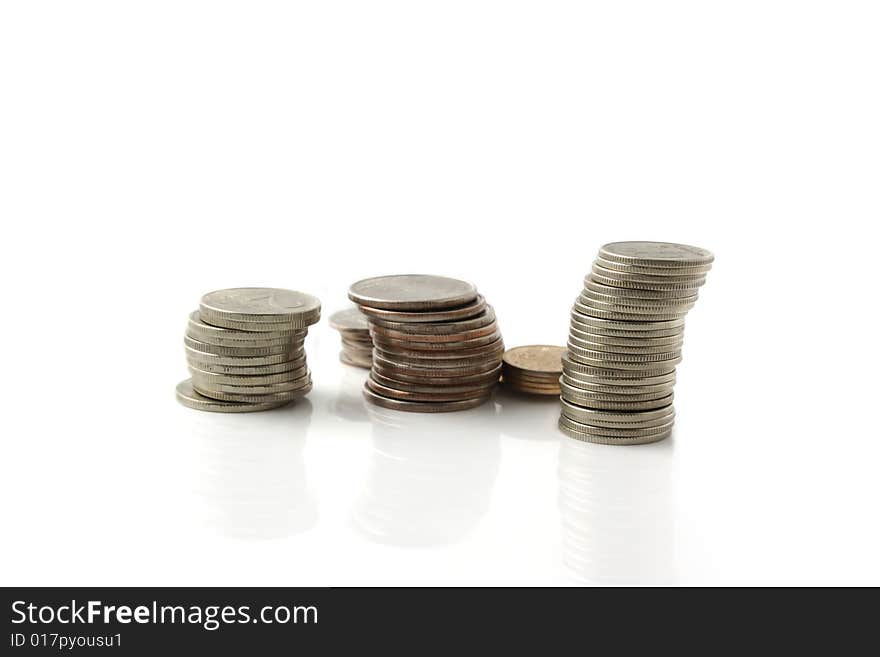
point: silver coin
(248, 380)
(410, 292)
(422, 407)
(656, 254)
(658, 284)
(624, 349)
(286, 396)
(611, 405)
(197, 329)
(208, 387)
(592, 311)
(222, 350)
(590, 398)
(697, 270)
(247, 370)
(605, 371)
(613, 357)
(627, 326)
(187, 396)
(618, 419)
(350, 319)
(209, 358)
(635, 293)
(638, 339)
(450, 314)
(612, 387)
(481, 320)
(628, 306)
(674, 302)
(234, 307)
(621, 437)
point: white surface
(150, 152)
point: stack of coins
(436, 344)
(627, 329)
(357, 345)
(244, 349)
(533, 369)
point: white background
(153, 151)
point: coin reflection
(431, 475)
(617, 516)
(252, 475)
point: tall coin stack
(245, 351)
(357, 345)
(626, 333)
(436, 344)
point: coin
(451, 314)
(618, 419)
(631, 302)
(484, 318)
(422, 407)
(437, 377)
(349, 319)
(635, 293)
(656, 254)
(589, 334)
(473, 347)
(460, 389)
(593, 311)
(250, 306)
(435, 395)
(653, 271)
(585, 355)
(408, 292)
(592, 386)
(222, 350)
(247, 380)
(462, 336)
(286, 396)
(202, 384)
(187, 396)
(218, 335)
(437, 368)
(623, 349)
(542, 358)
(569, 366)
(583, 432)
(246, 370)
(211, 358)
(657, 284)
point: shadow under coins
(616, 505)
(527, 417)
(431, 475)
(252, 475)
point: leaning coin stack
(627, 329)
(357, 345)
(436, 344)
(245, 352)
(533, 369)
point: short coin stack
(625, 339)
(357, 345)
(245, 352)
(533, 369)
(436, 344)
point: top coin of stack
(625, 339)
(357, 345)
(436, 344)
(244, 350)
(533, 369)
